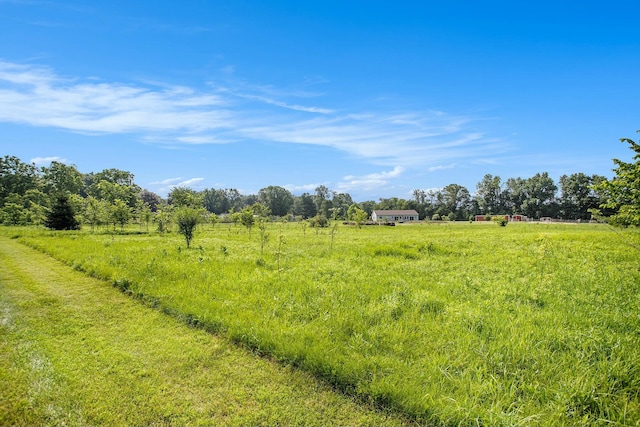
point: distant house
(394, 216)
(515, 218)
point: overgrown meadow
(453, 323)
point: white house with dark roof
(394, 216)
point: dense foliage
(111, 198)
(622, 193)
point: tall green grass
(533, 324)
(76, 352)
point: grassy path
(75, 351)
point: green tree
(61, 215)
(247, 218)
(278, 199)
(163, 218)
(120, 213)
(534, 197)
(622, 193)
(24, 210)
(187, 218)
(341, 203)
(321, 199)
(183, 196)
(151, 199)
(454, 198)
(304, 206)
(357, 215)
(13, 213)
(146, 214)
(540, 199)
(95, 212)
(489, 195)
(59, 177)
(112, 184)
(16, 177)
(213, 219)
(261, 210)
(577, 195)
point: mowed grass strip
(75, 351)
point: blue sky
(373, 98)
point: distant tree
(357, 215)
(577, 195)
(514, 195)
(16, 177)
(420, 196)
(260, 210)
(540, 199)
(322, 201)
(489, 195)
(59, 177)
(13, 212)
(183, 196)
(264, 235)
(213, 219)
(304, 206)
(392, 204)
(454, 198)
(279, 200)
(36, 203)
(146, 215)
(319, 221)
(216, 201)
(61, 215)
(237, 201)
(36, 197)
(112, 184)
(151, 199)
(622, 193)
(115, 176)
(368, 206)
(163, 218)
(120, 213)
(421, 203)
(187, 218)
(95, 212)
(341, 203)
(534, 197)
(247, 218)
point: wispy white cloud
(442, 167)
(371, 181)
(165, 186)
(39, 161)
(179, 115)
(295, 107)
(304, 188)
(35, 96)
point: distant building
(513, 218)
(394, 216)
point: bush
(501, 221)
(319, 221)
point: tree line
(47, 195)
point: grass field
(74, 351)
(465, 324)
